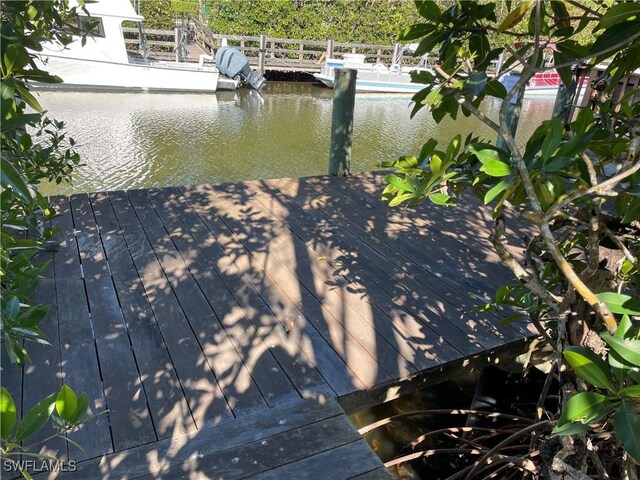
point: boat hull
(380, 85)
(541, 85)
(84, 74)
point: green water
(156, 140)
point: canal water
(156, 140)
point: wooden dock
(227, 328)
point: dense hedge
(358, 21)
(370, 21)
(367, 21)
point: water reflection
(156, 140)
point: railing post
(344, 98)
(330, 48)
(396, 54)
(176, 48)
(262, 52)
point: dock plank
(289, 354)
(129, 415)
(330, 464)
(158, 457)
(234, 378)
(265, 371)
(78, 353)
(402, 289)
(344, 256)
(396, 353)
(425, 271)
(282, 246)
(43, 376)
(316, 345)
(206, 400)
(263, 455)
(293, 279)
(167, 403)
(466, 233)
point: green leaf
(632, 212)
(19, 121)
(495, 168)
(66, 403)
(613, 36)
(560, 14)
(632, 391)
(572, 49)
(479, 45)
(555, 131)
(428, 43)
(620, 303)
(514, 16)
(7, 413)
(435, 164)
(15, 58)
(569, 428)
(81, 408)
(440, 199)
(585, 408)
(619, 13)
(454, 147)
(627, 348)
(626, 423)
(11, 178)
(399, 183)
(428, 9)
(416, 31)
(624, 327)
(476, 84)
(557, 163)
(397, 200)
(484, 155)
(35, 418)
(11, 308)
(589, 366)
(28, 97)
(495, 88)
(497, 190)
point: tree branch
(603, 186)
(499, 240)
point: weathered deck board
(129, 415)
(44, 374)
(205, 398)
(218, 323)
(78, 353)
(167, 403)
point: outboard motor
(231, 62)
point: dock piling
(344, 97)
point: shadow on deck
(218, 324)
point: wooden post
(262, 52)
(344, 98)
(513, 109)
(563, 106)
(330, 48)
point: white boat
(374, 77)
(103, 63)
